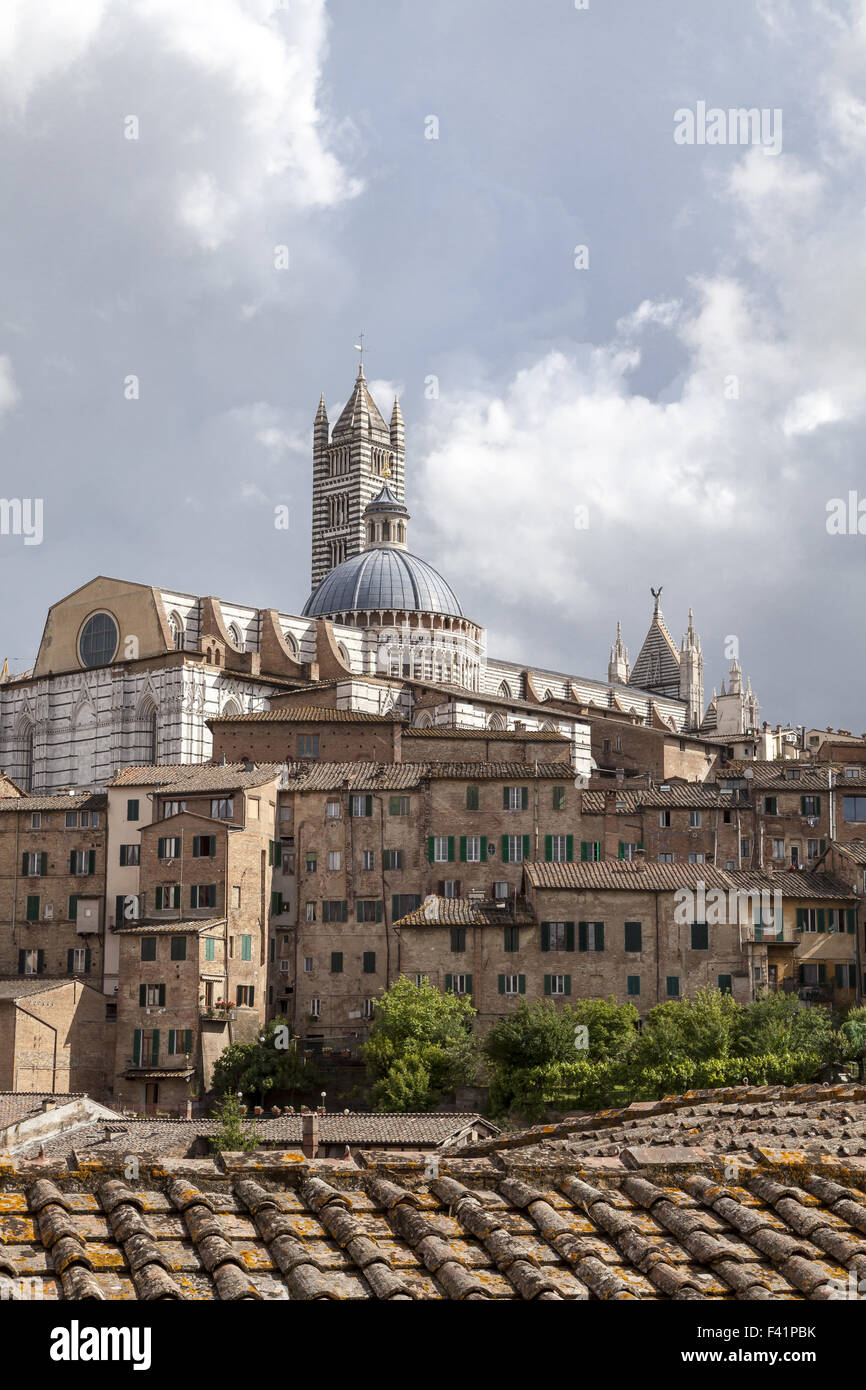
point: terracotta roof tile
(192, 777)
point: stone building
(54, 1036)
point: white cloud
(9, 393)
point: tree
(540, 1034)
(853, 1034)
(273, 1063)
(778, 1023)
(689, 1030)
(233, 1134)
(420, 1046)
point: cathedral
(129, 674)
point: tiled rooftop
(659, 1218)
(193, 777)
(296, 714)
(533, 736)
(854, 850)
(20, 1105)
(457, 912)
(639, 876)
(60, 802)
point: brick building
(54, 1036)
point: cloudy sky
(675, 404)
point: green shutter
(822, 973)
(159, 899)
(569, 849)
(569, 936)
(501, 984)
(70, 961)
(821, 919)
(599, 936)
(545, 936)
(584, 851)
(162, 996)
(548, 848)
(468, 984)
(170, 1041)
(32, 907)
(136, 1048)
(187, 1041)
(521, 984)
(196, 844)
(505, 849)
(72, 861)
(449, 981)
(209, 948)
(73, 907)
(87, 955)
(801, 917)
(24, 863)
(525, 848)
(142, 996)
(368, 805)
(155, 1054)
(547, 984)
(160, 848)
(581, 936)
(851, 916)
(450, 849)
(483, 849)
(568, 984)
(621, 853)
(725, 984)
(524, 798)
(462, 849)
(505, 798)
(431, 848)
(817, 805)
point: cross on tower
(360, 347)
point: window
(472, 798)
(98, 640)
(204, 846)
(854, 808)
(515, 848)
(77, 961)
(82, 861)
(246, 996)
(500, 889)
(202, 895)
(148, 948)
(590, 851)
(151, 996)
(130, 855)
(369, 962)
(558, 849)
(31, 962)
(664, 819)
(277, 904)
(361, 805)
(627, 849)
(32, 908)
(210, 948)
(73, 907)
(335, 910)
(515, 798)
(810, 805)
(369, 1008)
(132, 810)
(811, 919)
(34, 865)
(35, 820)
(310, 912)
(166, 895)
(178, 948)
(308, 745)
(336, 962)
(557, 984)
(696, 858)
(666, 859)
(557, 936)
(458, 938)
(175, 627)
(172, 808)
(368, 860)
(308, 966)
(441, 849)
(745, 847)
(168, 847)
(725, 984)
(458, 984)
(559, 798)
(368, 910)
(179, 1041)
(253, 807)
(695, 820)
(672, 987)
(332, 810)
(392, 859)
(778, 849)
(632, 985)
(512, 984)
(398, 806)
(812, 849)
(222, 807)
(633, 936)
(404, 903)
(726, 817)
(335, 860)
(852, 772)
(315, 1004)
(590, 936)
(473, 848)
(511, 938)
(700, 936)
(71, 820)
(90, 818)
(449, 888)
(770, 806)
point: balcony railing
(217, 1013)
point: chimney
(310, 1139)
(639, 856)
(48, 1105)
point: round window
(98, 641)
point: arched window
(153, 735)
(231, 707)
(496, 721)
(290, 642)
(235, 635)
(175, 625)
(27, 738)
(505, 690)
(386, 530)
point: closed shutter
(462, 849)
(336, 962)
(569, 849)
(160, 848)
(155, 1053)
(501, 984)
(584, 851)
(73, 908)
(581, 936)
(70, 961)
(24, 863)
(431, 848)
(525, 847)
(159, 899)
(72, 861)
(547, 980)
(505, 798)
(851, 918)
(801, 912)
(548, 848)
(505, 849)
(162, 996)
(187, 1040)
(87, 955)
(599, 936)
(524, 798)
(725, 984)
(801, 974)
(821, 919)
(822, 973)
(170, 1041)
(40, 962)
(196, 841)
(569, 936)
(468, 984)
(521, 984)
(142, 996)
(449, 980)
(22, 961)
(483, 849)
(450, 849)
(621, 853)
(136, 1048)
(545, 936)
(568, 984)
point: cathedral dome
(383, 577)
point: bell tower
(351, 463)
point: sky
(626, 356)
